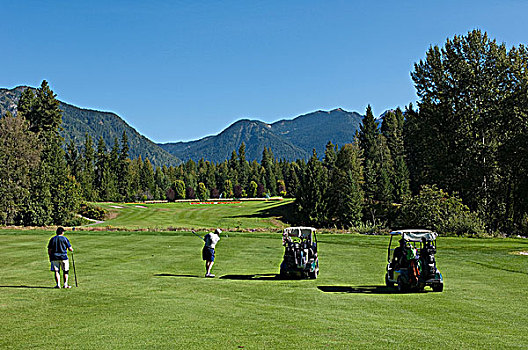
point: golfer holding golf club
(208, 252)
(57, 251)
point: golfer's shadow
(358, 289)
(258, 276)
(174, 275)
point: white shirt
(211, 239)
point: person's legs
(209, 266)
(55, 268)
(57, 279)
(66, 279)
(209, 258)
(65, 268)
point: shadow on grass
(174, 275)
(495, 267)
(359, 289)
(29, 287)
(259, 276)
(282, 212)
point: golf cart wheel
(438, 287)
(387, 282)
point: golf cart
(413, 264)
(300, 253)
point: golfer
(57, 251)
(208, 252)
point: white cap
(218, 231)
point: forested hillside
(77, 122)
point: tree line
(457, 162)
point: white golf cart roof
(416, 235)
(305, 232)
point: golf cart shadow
(174, 275)
(258, 276)
(359, 289)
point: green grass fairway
(245, 215)
(145, 290)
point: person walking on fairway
(57, 251)
(208, 252)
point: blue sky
(182, 70)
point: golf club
(74, 272)
(197, 235)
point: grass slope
(245, 215)
(145, 290)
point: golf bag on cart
(427, 258)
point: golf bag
(427, 257)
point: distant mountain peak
(288, 139)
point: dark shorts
(208, 254)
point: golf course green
(146, 290)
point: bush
(463, 224)
(366, 228)
(436, 210)
(202, 193)
(91, 211)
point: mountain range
(289, 139)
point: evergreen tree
(392, 130)
(270, 180)
(87, 179)
(147, 183)
(73, 160)
(368, 142)
(233, 167)
(310, 195)
(292, 179)
(123, 168)
(101, 171)
(228, 189)
(113, 173)
(330, 156)
(345, 196)
(243, 166)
